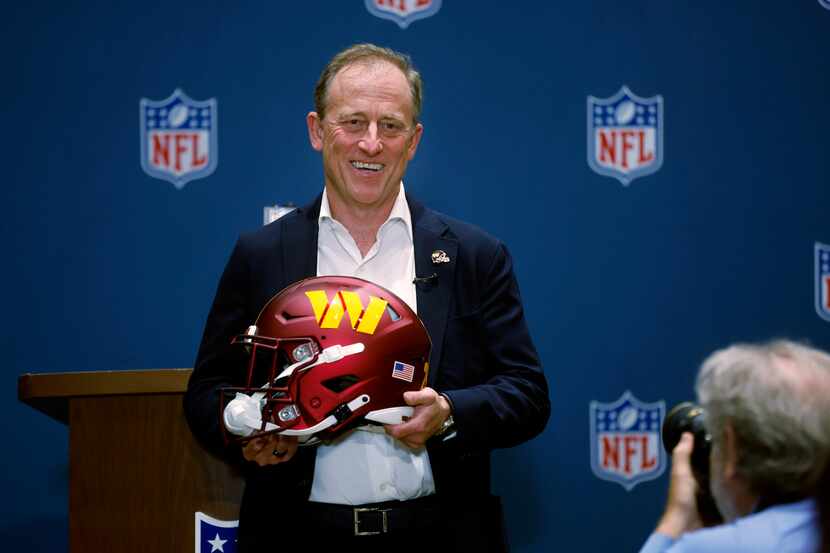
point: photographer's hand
(681, 507)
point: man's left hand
(431, 410)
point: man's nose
(370, 142)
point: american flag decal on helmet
(402, 371)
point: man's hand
(681, 507)
(271, 449)
(431, 410)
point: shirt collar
(400, 211)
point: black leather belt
(377, 518)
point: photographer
(768, 412)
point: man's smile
(367, 166)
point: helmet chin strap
(327, 422)
(390, 415)
(243, 414)
(243, 419)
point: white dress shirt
(366, 465)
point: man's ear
(315, 130)
(414, 141)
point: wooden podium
(136, 474)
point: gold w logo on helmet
(329, 313)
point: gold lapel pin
(440, 256)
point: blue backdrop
(625, 288)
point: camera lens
(688, 417)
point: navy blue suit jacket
(482, 354)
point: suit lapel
(430, 235)
(299, 245)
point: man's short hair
(776, 397)
(368, 53)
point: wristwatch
(447, 429)
(446, 426)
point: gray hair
(368, 53)
(776, 397)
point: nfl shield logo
(625, 135)
(403, 12)
(823, 281)
(178, 138)
(625, 440)
(273, 212)
(215, 535)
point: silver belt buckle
(358, 510)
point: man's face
(368, 135)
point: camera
(688, 417)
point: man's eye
(392, 128)
(353, 123)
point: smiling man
(424, 482)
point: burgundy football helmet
(327, 354)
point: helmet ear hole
(392, 313)
(341, 383)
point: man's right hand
(272, 449)
(681, 507)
